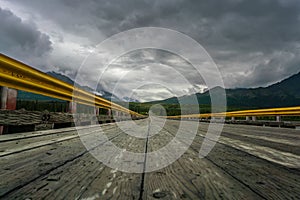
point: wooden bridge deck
(248, 162)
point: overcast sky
(254, 43)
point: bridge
(260, 160)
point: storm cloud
(22, 40)
(254, 43)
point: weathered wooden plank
(192, 178)
(26, 143)
(27, 135)
(283, 154)
(268, 179)
(275, 132)
(113, 184)
(85, 176)
(23, 167)
(238, 167)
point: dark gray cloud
(22, 40)
(254, 43)
(152, 72)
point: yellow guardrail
(17, 75)
(288, 111)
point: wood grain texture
(247, 162)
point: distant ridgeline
(282, 94)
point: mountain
(22, 95)
(99, 90)
(281, 94)
(128, 99)
(61, 77)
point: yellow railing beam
(287, 111)
(15, 74)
